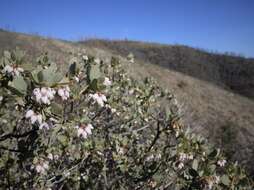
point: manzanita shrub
(96, 128)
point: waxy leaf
(225, 180)
(195, 164)
(18, 85)
(94, 72)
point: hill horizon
(88, 38)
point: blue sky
(219, 25)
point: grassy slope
(209, 104)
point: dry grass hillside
(230, 72)
(216, 92)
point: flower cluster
(44, 125)
(41, 167)
(76, 79)
(183, 157)
(52, 157)
(153, 157)
(97, 60)
(180, 165)
(84, 130)
(44, 95)
(33, 117)
(221, 163)
(107, 82)
(177, 128)
(99, 98)
(36, 118)
(12, 70)
(64, 92)
(85, 57)
(130, 58)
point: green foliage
(93, 72)
(96, 128)
(18, 85)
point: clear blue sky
(222, 25)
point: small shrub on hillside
(227, 138)
(96, 128)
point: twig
(69, 170)
(156, 137)
(11, 150)
(11, 135)
(137, 130)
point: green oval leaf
(18, 85)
